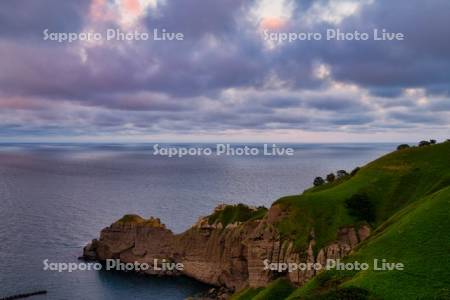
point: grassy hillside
(390, 184)
(409, 193)
(276, 290)
(418, 237)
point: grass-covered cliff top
(406, 196)
(135, 219)
(418, 237)
(385, 186)
(229, 214)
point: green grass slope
(409, 193)
(418, 237)
(391, 183)
(277, 290)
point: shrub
(360, 207)
(236, 213)
(403, 146)
(341, 173)
(355, 170)
(331, 177)
(424, 143)
(318, 181)
(432, 142)
(134, 219)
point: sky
(224, 81)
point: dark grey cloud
(421, 60)
(196, 18)
(419, 117)
(179, 86)
(337, 104)
(27, 19)
(440, 105)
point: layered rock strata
(232, 256)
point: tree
(403, 146)
(432, 142)
(318, 181)
(331, 177)
(424, 143)
(355, 170)
(360, 207)
(341, 174)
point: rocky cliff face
(231, 256)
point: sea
(56, 197)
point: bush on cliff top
(135, 219)
(236, 213)
(360, 207)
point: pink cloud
(273, 23)
(124, 12)
(20, 103)
(99, 11)
(131, 6)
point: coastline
(231, 256)
(243, 249)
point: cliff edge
(361, 214)
(219, 250)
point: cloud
(223, 76)
(422, 59)
(22, 19)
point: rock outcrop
(231, 256)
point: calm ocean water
(54, 198)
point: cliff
(394, 208)
(230, 255)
